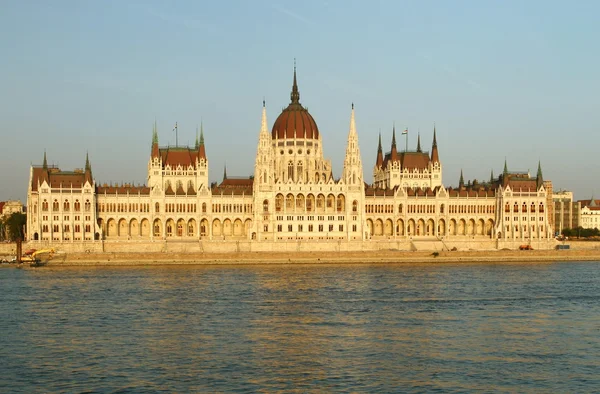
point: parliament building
(293, 198)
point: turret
(200, 144)
(419, 143)
(461, 181)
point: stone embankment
(376, 257)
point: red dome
(295, 121)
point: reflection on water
(365, 328)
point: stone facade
(292, 199)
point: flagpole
(176, 141)
(406, 148)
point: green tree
(15, 226)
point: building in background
(566, 211)
(589, 216)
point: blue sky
(500, 79)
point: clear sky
(500, 79)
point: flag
(405, 131)
(175, 128)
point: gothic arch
(123, 228)
(430, 227)
(378, 227)
(441, 227)
(145, 228)
(238, 228)
(217, 227)
(134, 229)
(157, 229)
(111, 228)
(191, 228)
(371, 227)
(388, 227)
(227, 228)
(400, 227)
(410, 230)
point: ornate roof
(295, 121)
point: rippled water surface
(334, 328)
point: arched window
(541, 207)
(291, 170)
(44, 205)
(355, 206)
(88, 205)
(300, 170)
(203, 207)
(524, 209)
(55, 205)
(190, 185)
(266, 206)
(66, 206)
(516, 208)
(442, 208)
(157, 207)
(77, 206)
(533, 207)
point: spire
(196, 142)
(394, 152)
(225, 171)
(352, 172)
(201, 148)
(379, 162)
(492, 177)
(419, 142)
(352, 121)
(461, 181)
(88, 167)
(295, 95)
(435, 158)
(592, 201)
(539, 176)
(264, 128)
(155, 140)
(45, 165)
(505, 172)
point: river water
(302, 328)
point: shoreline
(289, 258)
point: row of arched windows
(66, 206)
(524, 207)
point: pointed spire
(419, 142)
(88, 169)
(492, 177)
(196, 142)
(225, 171)
(154, 133)
(352, 122)
(435, 158)
(505, 172)
(201, 148)
(155, 152)
(539, 176)
(264, 128)
(394, 151)
(45, 165)
(379, 161)
(295, 95)
(461, 181)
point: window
(279, 228)
(331, 227)
(290, 228)
(266, 228)
(66, 206)
(55, 205)
(88, 206)
(45, 205)
(265, 206)
(157, 207)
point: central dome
(295, 121)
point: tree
(15, 226)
